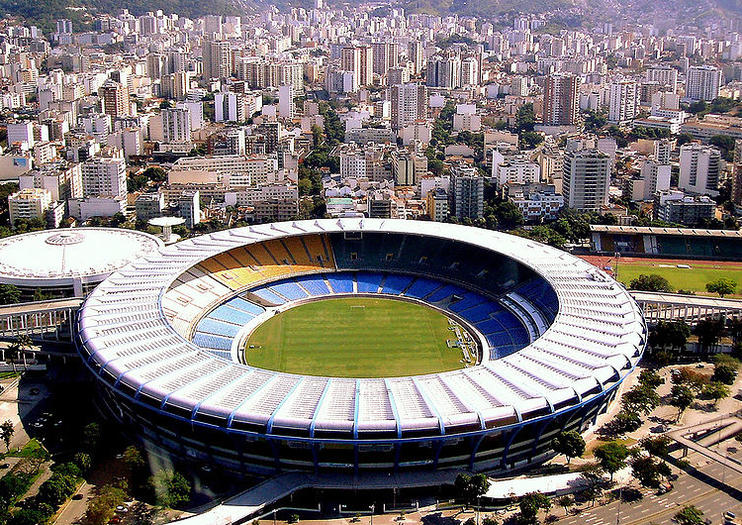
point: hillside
(44, 13)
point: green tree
(681, 397)
(566, 502)
(649, 471)
(6, 433)
(658, 446)
(708, 332)
(650, 378)
(669, 333)
(612, 456)
(570, 443)
(623, 423)
(722, 287)
(57, 489)
(724, 373)
(530, 504)
(83, 461)
(469, 487)
(525, 118)
(102, 507)
(716, 391)
(170, 489)
(641, 399)
(91, 434)
(9, 294)
(689, 515)
(650, 283)
(28, 517)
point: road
(699, 489)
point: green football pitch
(355, 337)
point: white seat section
(336, 409)
(375, 411)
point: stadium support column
(476, 442)
(539, 433)
(511, 438)
(438, 446)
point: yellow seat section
(241, 267)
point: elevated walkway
(713, 431)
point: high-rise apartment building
(217, 59)
(104, 177)
(700, 167)
(176, 125)
(466, 193)
(115, 99)
(561, 100)
(586, 177)
(666, 77)
(703, 83)
(623, 101)
(29, 203)
(409, 103)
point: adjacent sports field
(693, 278)
(355, 337)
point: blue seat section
(489, 326)
(368, 282)
(212, 341)
(341, 282)
(314, 284)
(212, 326)
(480, 312)
(395, 284)
(470, 299)
(541, 295)
(445, 292)
(265, 293)
(230, 315)
(289, 290)
(422, 287)
(221, 353)
(499, 339)
(246, 306)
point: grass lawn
(32, 449)
(694, 279)
(355, 337)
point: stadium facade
(165, 336)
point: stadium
(358, 346)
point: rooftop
(70, 253)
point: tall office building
(623, 101)
(115, 99)
(466, 193)
(586, 177)
(703, 83)
(217, 59)
(409, 103)
(561, 100)
(104, 177)
(700, 166)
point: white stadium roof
(595, 341)
(57, 257)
